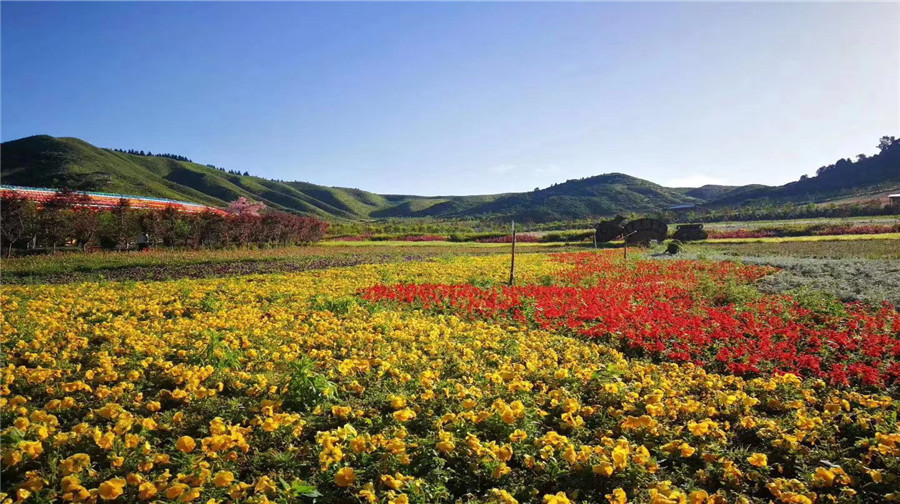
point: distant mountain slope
(843, 179)
(606, 194)
(45, 161)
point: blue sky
(461, 98)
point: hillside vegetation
(868, 175)
(45, 161)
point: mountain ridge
(45, 161)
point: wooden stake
(512, 263)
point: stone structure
(690, 232)
(643, 231)
(609, 230)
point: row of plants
(484, 237)
(68, 218)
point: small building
(894, 200)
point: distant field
(170, 264)
(858, 221)
(426, 244)
(867, 249)
(787, 239)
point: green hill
(844, 179)
(45, 161)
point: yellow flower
(397, 402)
(823, 477)
(341, 411)
(445, 446)
(186, 444)
(502, 497)
(190, 495)
(265, 485)
(758, 460)
(223, 479)
(177, 490)
(147, 490)
(344, 477)
(603, 469)
(404, 415)
(559, 498)
(698, 497)
(104, 441)
(686, 450)
(518, 435)
(368, 493)
(111, 489)
(617, 496)
(620, 456)
(700, 429)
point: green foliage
(482, 282)
(336, 305)
(306, 388)
(727, 292)
(819, 301)
(297, 490)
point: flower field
(590, 381)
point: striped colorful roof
(104, 199)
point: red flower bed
(653, 309)
(843, 229)
(743, 233)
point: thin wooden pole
(625, 238)
(512, 263)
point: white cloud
(695, 180)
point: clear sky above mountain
(461, 98)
